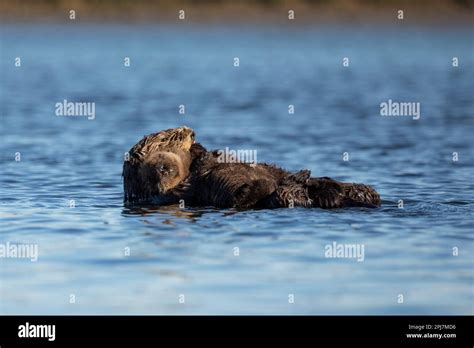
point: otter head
(163, 171)
(172, 139)
(157, 163)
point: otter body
(177, 168)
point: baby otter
(156, 164)
(174, 167)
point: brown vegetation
(227, 11)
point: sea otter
(169, 166)
(156, 164)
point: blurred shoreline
(306, 12)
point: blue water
(190, 252)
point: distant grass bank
(443, 12)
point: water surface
(191, 252)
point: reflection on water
(138, 260)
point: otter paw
(326, 193)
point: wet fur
(203, 181)
(156, 164)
